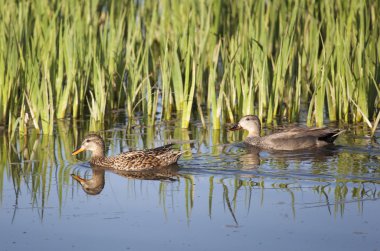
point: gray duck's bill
(235, 127)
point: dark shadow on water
(314, 155)
(95, 184)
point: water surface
(221, 196)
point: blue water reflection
(223, 196)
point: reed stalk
(66, 59)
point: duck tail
(173, 156)
(177, 155)
(339, 132)
(168, 146)
(331, 136)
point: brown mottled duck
(297, 138)
(128, 161)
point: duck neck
(98, 153)
(254, 134)
(254, 131)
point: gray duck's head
(251, 123)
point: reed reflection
(37, 170)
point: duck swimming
(128, 161)
(297, 138)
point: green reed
(61, 59)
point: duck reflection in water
(95, 184)
(253, 156)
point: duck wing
(160, 150)
(166, 154)
(134, 160)
(301, 132)
(145, 159)
(301, 138)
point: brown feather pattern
(133, 160)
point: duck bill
(78, 151)
(235, 127)
(77, 178)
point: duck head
(251, 123)
(93, 143)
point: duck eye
(87, 141)
(248, 119)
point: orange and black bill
(235, 127)
(77, 178)
(79, 150)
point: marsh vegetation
(190, 60)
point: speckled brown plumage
(293, 139)
(130, 161)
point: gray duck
(296, 138)
(128, 161)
